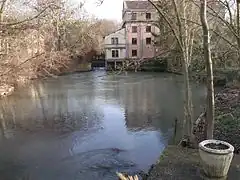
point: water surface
(90, 125)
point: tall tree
(183, 32)
(41, 40)
(207, 56)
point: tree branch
(164, 16)
(27, 19)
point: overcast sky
(110, 9)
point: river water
(90, 125)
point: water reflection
(87, 126)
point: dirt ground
(178, 163)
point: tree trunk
(2, 6)
(238, 30)
(2, 44)
(207, 55)
(58, 33)
(187, 102)
(182, 34)
(185, 51)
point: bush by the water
(227, 118)
(227, 125)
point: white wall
(121, 53)
(121, 46)
(120, 34)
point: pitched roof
(139, 5)
(119, 29)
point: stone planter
(216, 157)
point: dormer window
(134, 16)
(148, 15)
(114, 40)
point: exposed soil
(218, 146)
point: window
(148, 29)
(114, 40)
(115, 54)
(134, 16)
(134, 53)
(134, 29)
(148, 15)
(148, 40)
(134, 40)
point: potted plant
(216, 157)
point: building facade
(135, 40)
(138, 19)
(115, 48)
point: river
(90, 125)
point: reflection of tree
(152, 103)
(66, 110)
(71, 102)
(5, 124)
(156, 102)
(140, 104)
(55, 105)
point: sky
(110, 9)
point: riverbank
(184, 164)
(222, 77)
(227, 117)
(7, 88)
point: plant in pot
(216, 157)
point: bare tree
(184, 33)
(227, 14)
(207, 56)
(43, 39)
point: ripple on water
(100, 163)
